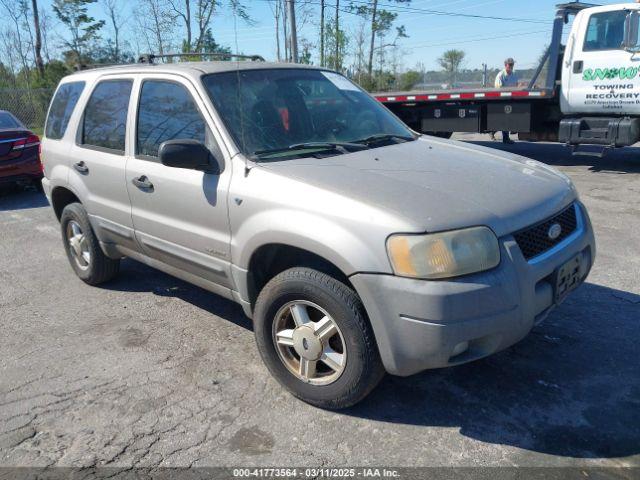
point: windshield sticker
(340, 82)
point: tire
(37, 184)
(445, 135)
(360, 366)
(96, 268)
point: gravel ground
(150, 371)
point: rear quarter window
(61, 109)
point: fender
(311, 232)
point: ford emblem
(554, 231)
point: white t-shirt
(503, 79)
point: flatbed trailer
(562, 102)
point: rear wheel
(83, 249)
(314, 337)
(37, 184)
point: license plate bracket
(567, 278)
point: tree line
(365, 46)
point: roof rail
(150, 57)
(87, 66)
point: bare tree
(336, 55)
(203, 18)
(113, 9)
(185, 15)
(381, 21)
(18, 44)
(322, 33)
(374, 13)
(157, 22)
(275, 9)
(38, 41)
(8, 44)
(360, 52)
(198, 14)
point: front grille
(535, 240)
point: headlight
(445, 254)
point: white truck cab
(601, 66)
(584, 93)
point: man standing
(506, 78)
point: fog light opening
(460, 348)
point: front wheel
(314, 337)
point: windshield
(7, 121)
(277, 109)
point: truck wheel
(445, 135)
(314, 337)
(82, 247)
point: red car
(19, 152)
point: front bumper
(420, 324)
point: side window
(61, 109)
(167, 112)
(105, 116)
(605, 31)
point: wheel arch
(270, 259)
(60, 198)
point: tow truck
(586, 92)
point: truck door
(599, 75)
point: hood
(439, 185)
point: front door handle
(81, 167)
(578, 65)
(142, 182)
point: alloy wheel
(309, 342)
(78, 245)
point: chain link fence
(28, 105)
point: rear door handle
(81, 167)
(142, 182)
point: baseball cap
(510, 61)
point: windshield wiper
(383, 137)
(342, 147)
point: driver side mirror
(190, 154)
(631, 27)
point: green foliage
(209, 44)
(409, 79)
(84, 29)
(331, 37)
(451, 61)
(304, 56)
(53, 73)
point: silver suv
(356, 245)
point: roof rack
(87, 66)
(150, 57)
